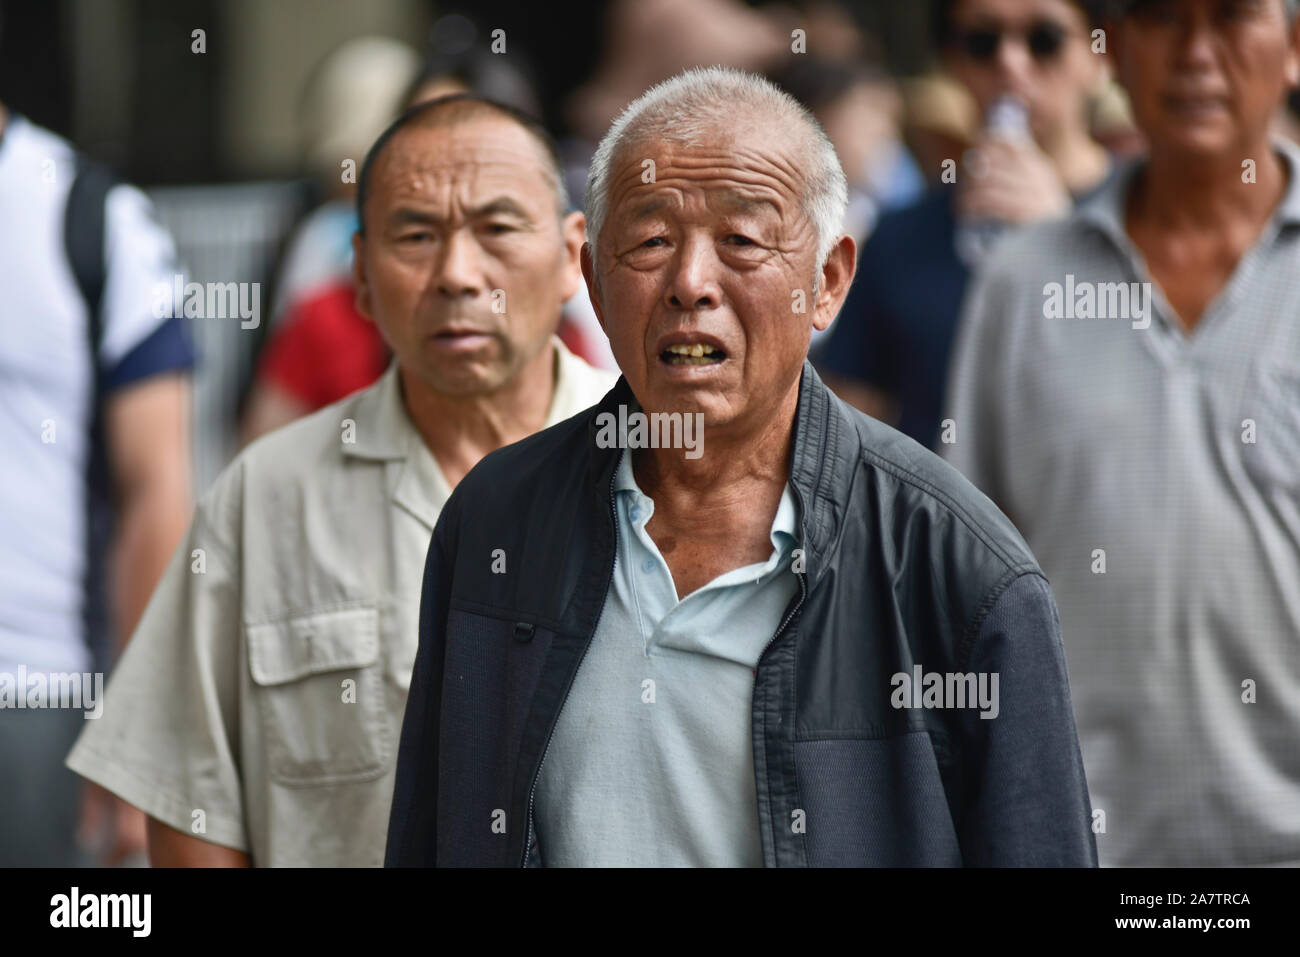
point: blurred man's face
(465, 262)
(1206, 76)
(716, 254)
(860, 123)
(1039, 51)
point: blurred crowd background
(241, 146)
(247, 121)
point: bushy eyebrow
(646, 208)
(734, 202)
(500, 206)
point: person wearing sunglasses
(888, 353)
(1148, 444)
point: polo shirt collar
(383, 431)
(1107, 208)
(820, 470)
(785, 523)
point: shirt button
(635, 514)
(648, 565)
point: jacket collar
(821, 468)
(602, 462)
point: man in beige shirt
(256, 712)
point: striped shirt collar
(1106, 209)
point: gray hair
(689, 106)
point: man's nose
(1014, 62)
(458, 269)
(1196, 38)
(694, 283)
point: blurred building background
(207, 105)
(119, 79)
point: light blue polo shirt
(652, 759)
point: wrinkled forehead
(465, 160)
(742, 171)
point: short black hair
(463, 106)
(818, 83)
(1122, 8)
(941, 28)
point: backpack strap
(83, 242)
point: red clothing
(325, 349)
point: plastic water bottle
(1008, 118)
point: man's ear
(359, 282)
(836, 277)
(1111, 27)
(573, 230)
(593, 286)
(1293, 57)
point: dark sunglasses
(1044, 39)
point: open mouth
(1195, 105)
(460, 339)
(695, 354)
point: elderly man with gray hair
(1146, 438)
(722, 618)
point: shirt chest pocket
(1273, 403)
(320, 696)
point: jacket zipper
(803, 579)
(803, 595)
(532, 790)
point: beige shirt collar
(384, 432)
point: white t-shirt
(46, 385)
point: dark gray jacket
(906, 564)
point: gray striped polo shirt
(1156, 476)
